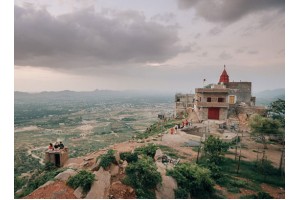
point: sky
(166, 46)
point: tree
(276, 110)
(215, 149)
(263, 126)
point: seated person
(61, 145)
(56, 145)
(50, 147)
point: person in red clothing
(50, 147)
(186, 122)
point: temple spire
(224, 78)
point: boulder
(79, 193)
(46, 184)
(120, 191)
(73, 166)
(114, 170)
(117, 156)
(96, 166)
(166, 189)
(65, 175)
(100, 187)
(125, 164)
(139, 141)
(158, 154)
(88, 159)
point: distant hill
(267, 96)
(91, 96)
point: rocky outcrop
(100, 187)
(121, 191)
(166, 189)
(65, 175)
(114, 170)
(158, 154)
(79, 193)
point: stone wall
(182, 102)
(242, 91)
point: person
(56, 145)
(186, 122)
(182, 124)
(172, 131)
(50, 147)
(191, 122)
(61, 145)
(176, 127)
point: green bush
(49, 166)
(129, 157)
(196, 180)
(265, 167)
(215, 149)
(39, 179)
(145, 194)
(143, 176)
(107, 159)
(84, 179)
(259, 195)
(148, 150)
(181, 193)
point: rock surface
(158, 154)
(114, 170)
(121, 191)
(100, 187)
(166, 189)
(65, 175)
(79, 193)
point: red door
(213, 113)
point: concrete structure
(57, 157)
(216, 101)
(183, 102)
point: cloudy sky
(169, 45)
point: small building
(57, 157)
(183, 102)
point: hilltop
(181, 147)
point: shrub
(259, 195)
(148, 150)
(107, 159)
(196, 180)
(215, 149)
(181, 193)
(129, 157)
(143, 176)
(49, 166)
(264, 167)
(84, 179)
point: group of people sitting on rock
(57, 146)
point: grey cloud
(89, 39)
(197, 36)
(225, 56)
(228, 11)
(167, 17)
(252, 52)
(215, 31)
